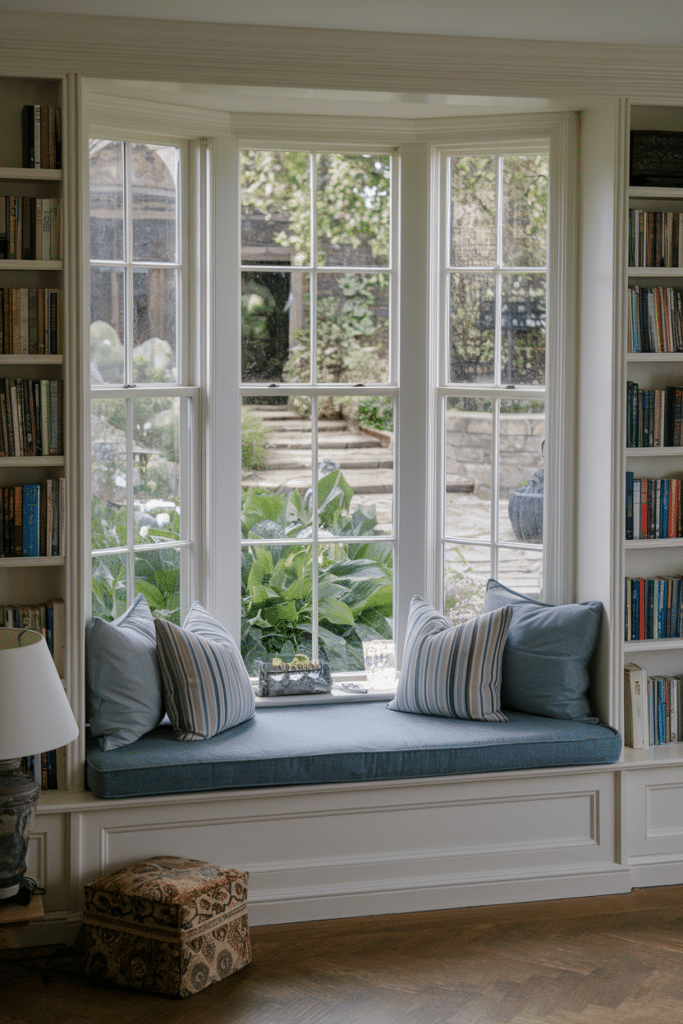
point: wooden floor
(607, 960)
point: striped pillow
(453, 671)
(205, 681)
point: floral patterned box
(167, 925)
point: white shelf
(654, 357)
(28, 561)
(31, 460)
(654, 542)
(12, 359)
(675, 272)
(672, 644)
(645, 192)
(31, 265)
(29, 174)
(656, 451)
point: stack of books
(30, 321)
(653, 708)
(655, 238)
(652, 608)
(31, 417)
(653, 508)
(41, 136)
(654, 416)
(30, 228)
(32, 519)
(656, 319)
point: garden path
(366, 460)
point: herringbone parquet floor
(606, 960)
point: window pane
(353, 328)
(109, 586)
(467, 569)
(276, 207)
(154, 325)
(521, 571)
(276, 336)
(472, 328)
(157, 576)
(107, 325)
(473, 212)
(108, 472)
(106, 200)
(366, 460)
(523, 329)
(468, 424)
(277, 602)
(156, 466)
(154, 185)
(525, 210)
(522, 433)
(354, 601)
(353, 207)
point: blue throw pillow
(123, 685)
(452, 671)
(548, 647)
(205, 681)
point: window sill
(336, 696)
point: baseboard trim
(286, 908)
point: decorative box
(657, 159)
(285, 680)
(168, 925)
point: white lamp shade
(35, 714)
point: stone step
(350, 460)
(361, 480)
(294, 442)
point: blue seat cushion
(300, 745)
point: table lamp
(35, 716)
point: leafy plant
(354, 579)
(157, 570)
(254, 439)
(376, 412)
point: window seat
(300, 745)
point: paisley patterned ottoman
(167, 925)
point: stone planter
(525, 509)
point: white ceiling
(641, 22)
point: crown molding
(151, 49)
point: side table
(13, 918)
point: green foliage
(254, 440)
(376, 412)
(354, 579)
(352, 200)
(524, 244)
(157, 570)
(351, 346)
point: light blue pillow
(123, 685)
(452, 671)
(205, 681)
(548, 647)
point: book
(31, 520)
(635, 707)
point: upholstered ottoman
(168, 925)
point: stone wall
(468, 449)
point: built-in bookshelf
(33, 339)
(652, 541)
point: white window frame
(560, 141)
(190, 324)
(495, 392)
(315, 390)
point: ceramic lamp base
(18, 799)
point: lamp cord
(27, 888)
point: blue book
(31, 522)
